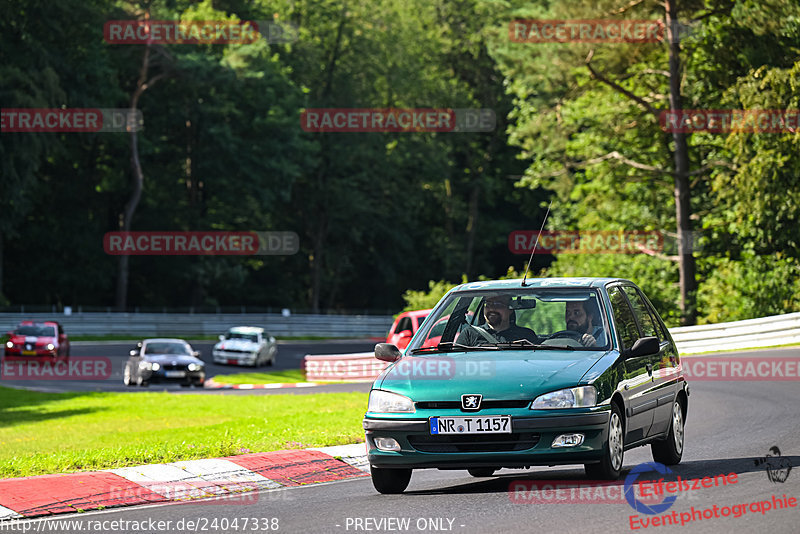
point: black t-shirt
(472, 337)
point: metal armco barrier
(748, 334)
(142, 325)
(361, 367)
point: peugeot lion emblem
(471, 403)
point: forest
(584, 130)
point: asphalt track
(731, 426)
(290, 356)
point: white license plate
(174, 374)
(496, 424)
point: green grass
(63, 432)
(275, 377)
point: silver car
(245, 345)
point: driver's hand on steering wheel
(587, 340)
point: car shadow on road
(576, 475)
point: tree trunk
(683, 208)
(121, 300)
(472, 226)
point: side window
(641, 312)
(405, 324)
(662, 330)
(623, 316)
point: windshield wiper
(450, 346)
(527, 344)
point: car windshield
(160, 347)
(248, 337)
(36, 330)
(533, 318)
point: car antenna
(535, 244)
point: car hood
(508, 375)
(236, 344)
(169, 358)
(39, 340)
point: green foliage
(754, 286)
(423, 300)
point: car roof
(33, 323)
(415, 313)
(516, 283)
(164, 339)
(246, 330)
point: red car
(46, 339)
(405, 326)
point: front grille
(474, 442)
(236, 351)
(485, 405)
(173, 367)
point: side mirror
(196, 353)
(643, 347)
(221, 337)
(405, 334)
(387, 352)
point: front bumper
(528, 444)
(195, 377)
(19, 354)
(234, 358)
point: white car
(245, 345)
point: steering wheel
(574, 334)
(571, 337)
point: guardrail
(141, 325)
(748, 334)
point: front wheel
(390, 481)
(610, 466)
(126, 377)
(670, 451)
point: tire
(670, 450)
(610, 467)
(481, 472)
(390, 481)
(141, 383)
(126, 377)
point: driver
(500, 326)
(582, 317)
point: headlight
(194, 367)
(579, 397)
(156, 367)
(9, 344)
(148, 366)
(50, 346)
(387, 402)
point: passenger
(583, 317)
(500, 326)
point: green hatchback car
(513, 374)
